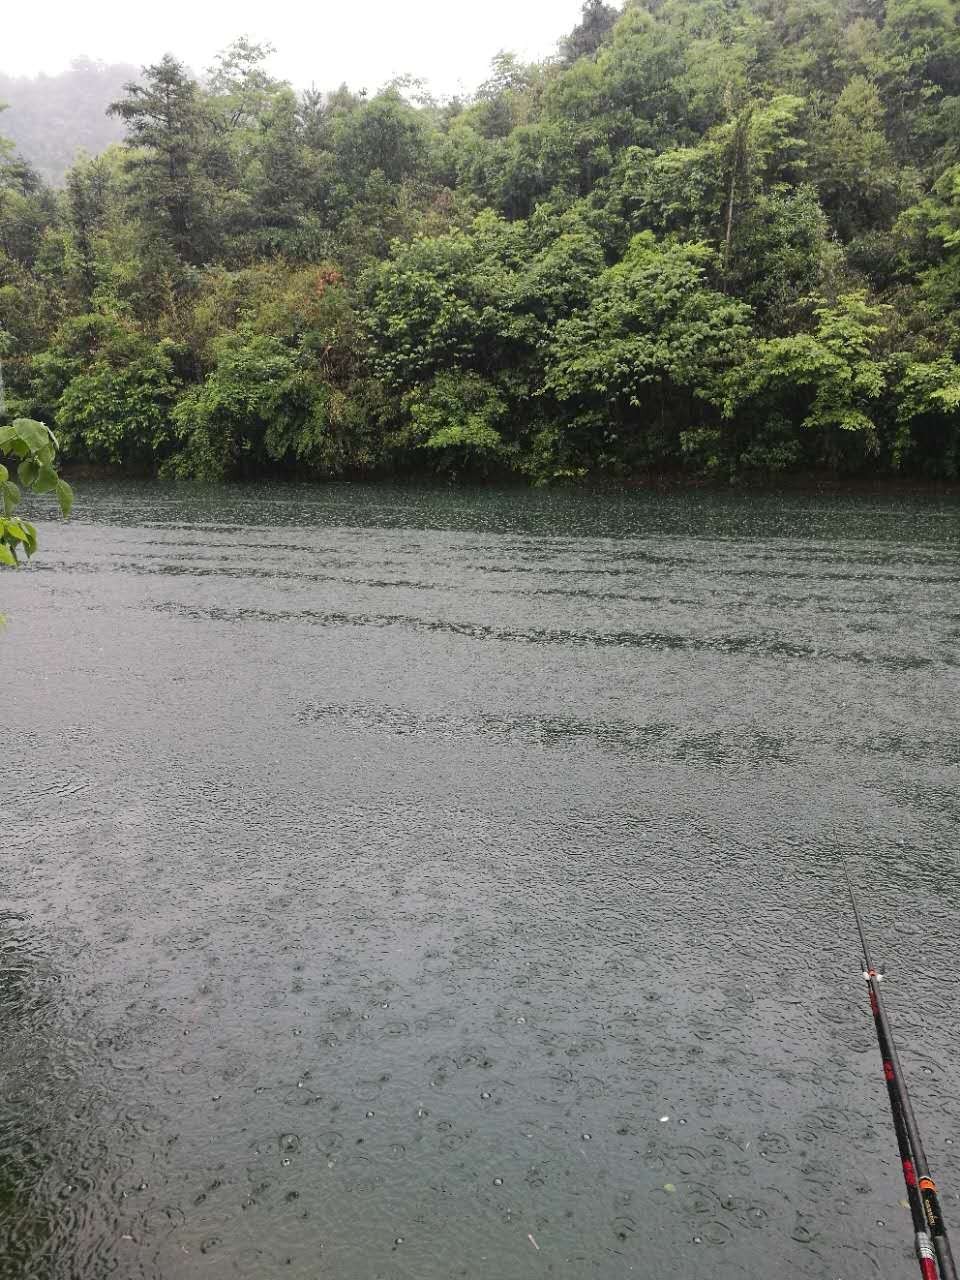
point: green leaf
(30, 541)
(27, 472)
(46, 480)
(65, 498)
(10, 494)
(34, 434)
(4, 474)
(7, 556)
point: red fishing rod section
(930, 1232)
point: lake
(407, 882)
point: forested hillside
(713, 236)
(50, 119)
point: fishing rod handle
(926, 1257)
(916, 1171)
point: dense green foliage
(720, 236)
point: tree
(784, 253)
(385, 136)
(931, 232)
(168, 135)
(928, 415)
(458, 418)
(833, 380)
(652, 354)
(859, 176)
(596, 23)
(116, 408)
(921, 46)
(445, 302)
(280, 182)
(26, 208)
(88, 194)
(705, 191)
(241, 89)
(285, 382)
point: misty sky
(366, 42)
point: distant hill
(51, 118)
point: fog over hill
(50, 118)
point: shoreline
(811, 483)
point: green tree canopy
(707, 236)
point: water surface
(409, 883)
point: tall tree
(588, 35)
(88, 187)
(168, 134)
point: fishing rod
(930, 1231)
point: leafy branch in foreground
(35, 446)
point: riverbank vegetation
(721, 238)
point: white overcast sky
(449, 43)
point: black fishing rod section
(930, 1230)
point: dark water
(435, 884)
